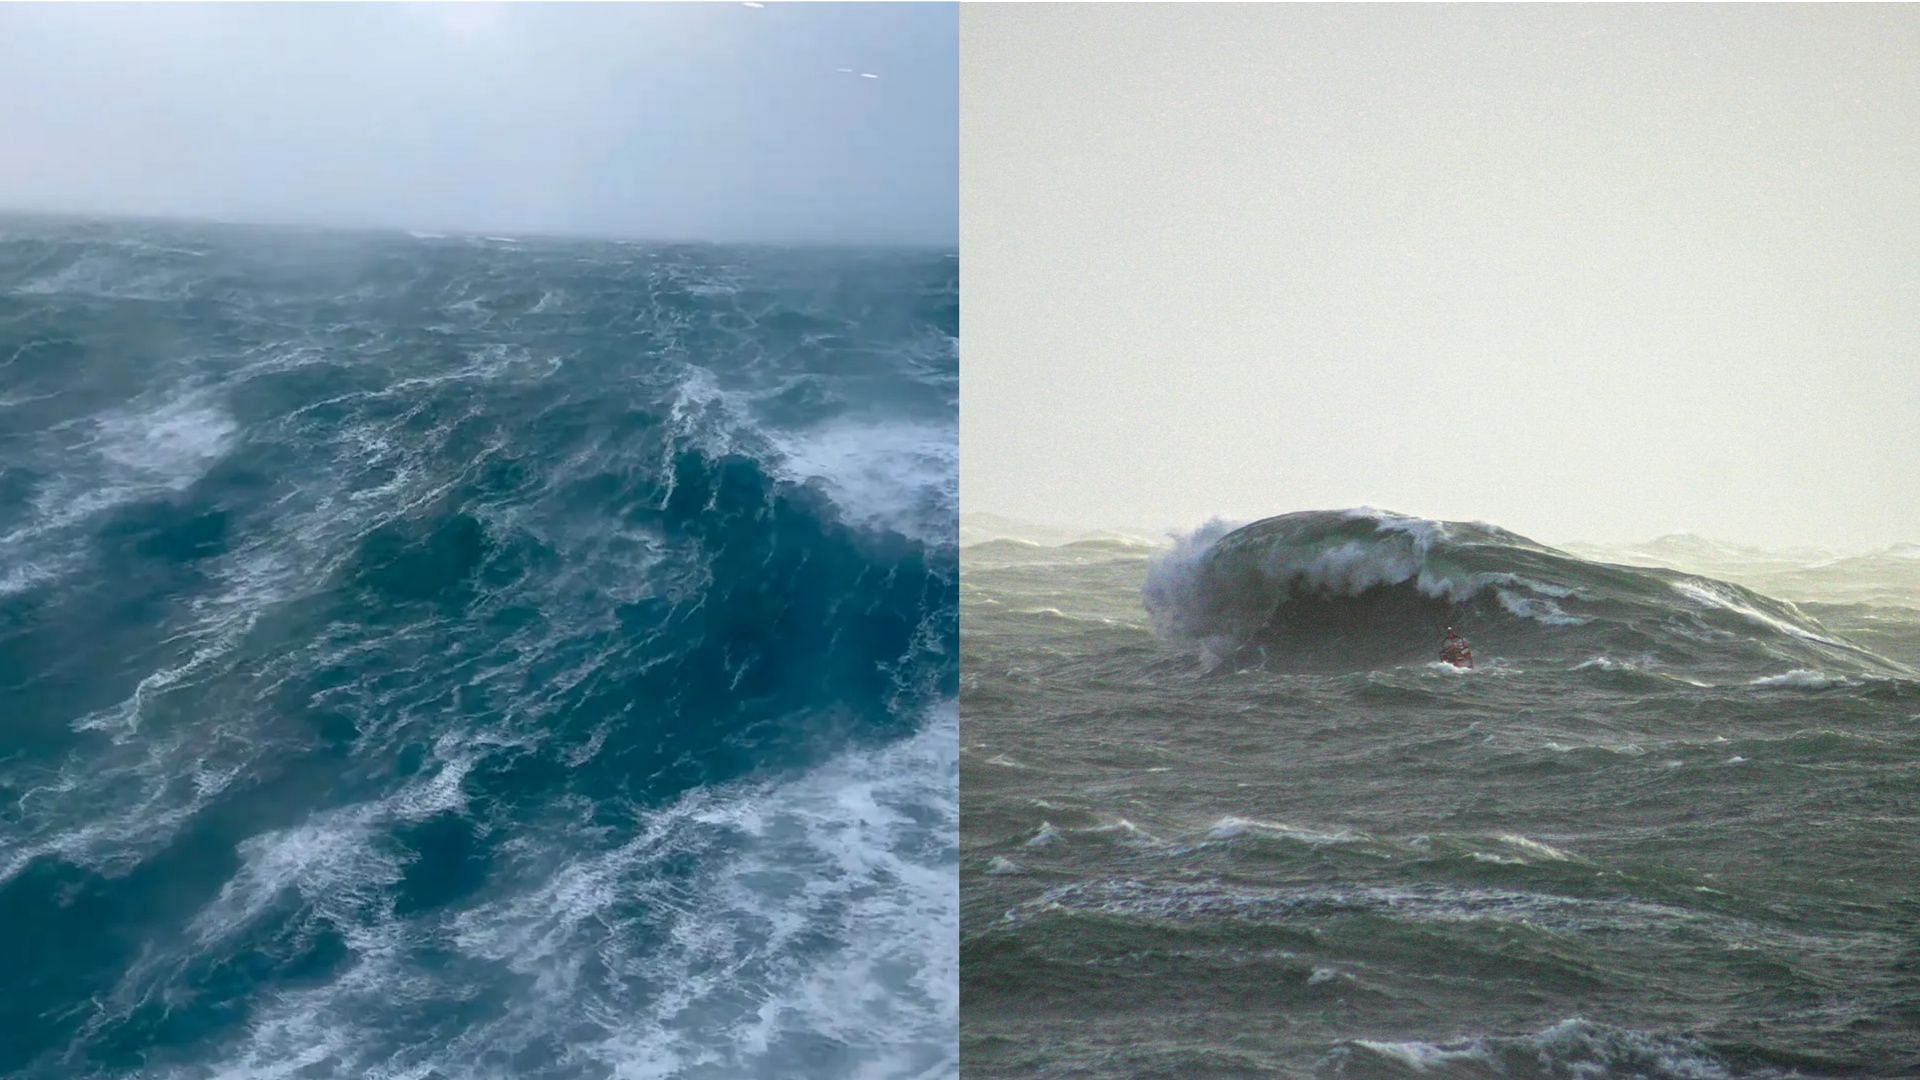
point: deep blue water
(441, 657)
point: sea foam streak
(453, 658)
(818, 916)
(1657, 784)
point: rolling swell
(1614, 850)
(446, 657)
(1362, 589)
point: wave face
(446, 657)
(1362, 589)
(1664, 830)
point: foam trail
(464, 658)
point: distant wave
(1573, 1047)
(1259, 783)
(1364, 588)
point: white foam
(110, 276)
(1538, 609)
(1354, 567)
(1534, 847)
(172, 443)
(138, 451)
(1128, 830)
(128, 797)
(1710, 595)
(1227, 828)
(330, 862)
(22, 576)
(1171, 589)
(1425, 532)
(1399, 552)
(1802, 679)
(1608, 663)
(334, 860)
(896, 474)
(882, 473)
(114, 838)
(853, 838)
(1558, 592)
(1573, 1047)
(1582, 1042)
(1421, 1056)
(1045, 836)
(725, 934)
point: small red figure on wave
(1455, 650)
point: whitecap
(1802, 679)
(1534, 847)
(1230, 827)
(896, 474)
(1045, 836)
(823, 906)
(1538, 609)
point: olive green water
(1576, 861)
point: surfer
(1455, 650)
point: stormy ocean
(1224, 813)
(436, 656)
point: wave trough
(430, 657)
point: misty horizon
(1576, 271)
(1066, 531)
(819, 125)
(419, 232)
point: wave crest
(1363, 588)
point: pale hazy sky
(678, 121)
(1581, 271)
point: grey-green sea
(1224, 814)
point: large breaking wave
(1353, 589)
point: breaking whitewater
(1224, 813)
(445, 657)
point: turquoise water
(451, 656)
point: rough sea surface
(1224, 814)
(443, 657)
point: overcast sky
(1587, 272)
(680, 121)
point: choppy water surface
(447, 657)
(1223, 814)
